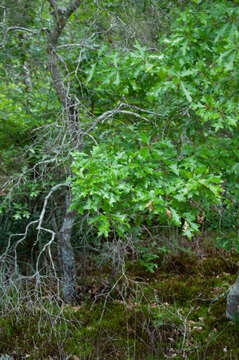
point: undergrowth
(176, 312)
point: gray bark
(66, 255)
(65, 250)
(60, 17)
(232, 310)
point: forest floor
(176, 312)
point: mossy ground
(176, 312)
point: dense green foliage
(134, 180)
(181, 97)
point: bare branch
(20, 28)
(133, 113)
(15, 28)
(61, 16)
(72, 7)
(23, 237)
(56, 187)
(117, 110)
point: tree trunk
(66, 255)
(232, 310)
(65, 250)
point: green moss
(180, 302)
(214, 266)
(217, 337)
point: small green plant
(228, 241)
(148, 259)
